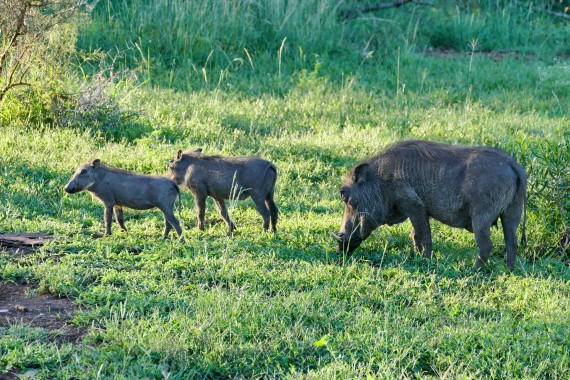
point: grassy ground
(287, 306)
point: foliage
(550, 183)
(36, 42)
(198, 44)
(97, 105)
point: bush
(37, 39)
(97, 105)
(549, 190)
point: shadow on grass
(456, 261)
(394, 249)
(123, 127)
(45, 198)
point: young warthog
(465, 187)
(227, 178)
(116, 188)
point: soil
(20, 303)
(496, 55)
(23, 303)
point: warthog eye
(344, 195)
(83, 171)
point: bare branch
(26, 27)
(353, 13)
(10, 86)
(19, 25)
(565, 16)
(377, 7)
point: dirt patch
(496, 55)
(9, 376)
(22, 303)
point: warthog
(227, 178)
(116, 188)
(465, 187)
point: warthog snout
(347, 244)
(69, 189)
(83, 178)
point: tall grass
(178, 42)
(498, 26)
(195, 36)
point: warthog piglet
(116, 188)
(227, 178)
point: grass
(287, 306)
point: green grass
(287, 306)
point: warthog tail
(274, 168)
(523, 231)
(179, 203)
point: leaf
(323, 341)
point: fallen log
(24, 239)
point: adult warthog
(465, 187)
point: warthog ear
(179, 154)
(95, 162)
(198, 151)
(361, 173)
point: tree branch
(17, 33)
(10, 86)
(353, 13)
(565, 16)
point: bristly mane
(216, 158)
(430, 150)
(115, 169)
(423, 148)
(202, 156)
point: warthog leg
(108, 216)
(118, 210)
(421, 232)
(262, 209)
(169, 222)
(223, 212)
(200, 200)
(483, 239)
(510, 222)
(273, 211)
